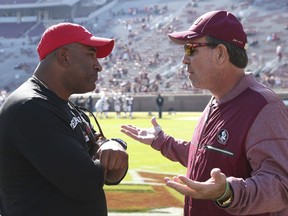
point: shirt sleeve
(46, 140)
(267, 153)
(175, 150)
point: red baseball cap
(65, 33)
(219, 24)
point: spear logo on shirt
(223, 136)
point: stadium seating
(17, 1)
(143, 59)
(14, 30)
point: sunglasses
(191, 47)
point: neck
(224, 88)
(42, 82)
(48, 74)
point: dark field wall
(176, 103)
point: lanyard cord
(77, 108)
(94, 144)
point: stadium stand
(14, 30)
(17, 1)
(143, 59)
(36, 30)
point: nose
(97, 65)
(185, 60)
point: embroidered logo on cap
(223, 136)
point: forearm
(175, 150)
(257, 195)
(267, 188)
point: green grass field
(142, 157)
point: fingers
(192, 188)
(142, 135)
(130, 131)
(187, 181)
(210, 189)
(112, 160)
(112, 156)
(104, 160)
(115, 164)
(129, 128)
(170, 182)
(177, 185)
(145, 136)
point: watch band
(226, 199)
(121, 142)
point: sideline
(154, 212)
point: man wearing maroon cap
(237, 158)
(52, 161)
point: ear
(222, 53)
(62, 56)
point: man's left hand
(114, 159)
(212, 189)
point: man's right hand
(145, 136)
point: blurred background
(143, 61)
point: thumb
(154, 122)
(219, 179)
(157, 127)
(217, 175)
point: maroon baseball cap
(65, 33)
(219, 24)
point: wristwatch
(121, 142)
(226, 200)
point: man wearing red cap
(237, 158)
(52, 161)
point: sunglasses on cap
(191, 47)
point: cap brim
(182, 37)
(104, 46)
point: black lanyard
(95, 138)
